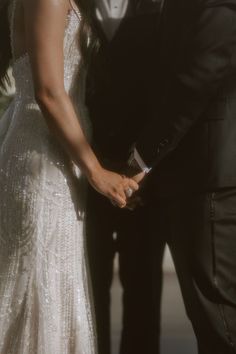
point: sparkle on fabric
(45, 303)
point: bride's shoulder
(48, 6)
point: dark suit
(118, 89)
(193, 130)
(191, 143)
(188, 135)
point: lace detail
(45, 304)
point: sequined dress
(45, 302)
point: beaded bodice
(21, 66)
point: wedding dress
(45, 302)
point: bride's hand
(112, 185)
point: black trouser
(141, 290)
(201, 232)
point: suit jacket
(119, 79)
(191, 138)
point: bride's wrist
(92, 169)
(88, 162)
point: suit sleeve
(206, 63)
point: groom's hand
(134, 202)
(138, 178)
(136, 199)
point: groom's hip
(201, 232)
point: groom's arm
(206, 65)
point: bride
(45, 304)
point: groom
(118, 93)
(189, 141)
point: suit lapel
(132, 4)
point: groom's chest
(178, 18)
(116, 17)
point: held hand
(139, 177)
(112, 185)
(135, 200)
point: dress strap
(74, 8)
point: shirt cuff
(140, 161)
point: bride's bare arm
(45, 22)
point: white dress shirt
(110, 13)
